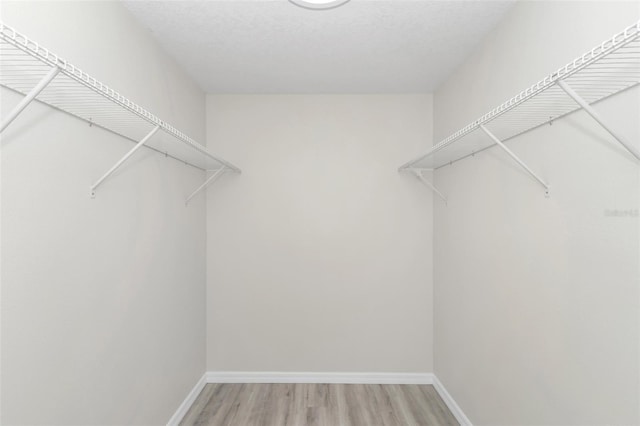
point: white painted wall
(536, 300)
(327, 264)
(103, 300)
(319, 257)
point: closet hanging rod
(93, 123)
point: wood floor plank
(245, 402)
(438, 406)
(417, 405)
(297, 413)
(216, 398)
(228, 407)
(277, 405)
(383, 406)
(318, 405)
(199, 405)
(400, 405)
(337, 415)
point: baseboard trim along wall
(451, 403)
(344, 378)
(188, 402)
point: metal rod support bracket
(206, 183)
(92, 191)
(30, 97)
(594, 114)
(517, 160)
(418, 174)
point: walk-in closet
(320, 212)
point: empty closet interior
(424, 193)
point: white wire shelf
(24, 64)
(607, 69)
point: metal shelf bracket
(418, 174)
(206, 183)
(594, 114)
(115, 167)
(517, 160)
(30, 97)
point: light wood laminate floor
(318, 404)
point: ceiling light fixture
(319, 4)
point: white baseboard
(346, 378)
(188, 402)
(451, 403)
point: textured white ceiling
(273, 46)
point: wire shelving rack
(607, 69)
(32, 70)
